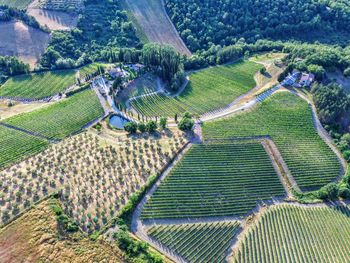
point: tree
(130, 127)
(142, 127)
(117, 83)
(186, 124)
(151, 126)
(163, 123)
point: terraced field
(38, 85)
(288, 120)
(20, 4)
(216, 180)
(295, 234)
(205, 242)
(16, 145)
(209, 89)
(62, 118)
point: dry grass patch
(54, 20)
(95, 176)
(153, 20)
(27, 43)
(35, 237)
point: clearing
(152, 19)
(27, 43)
(37, 236)
(203, 242)
(38, 85)
(287, 233)
(287, 119)
(216, 179)
(63, 118)
(208, 90)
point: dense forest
(102, 27)
(203, 23)
(11, 66)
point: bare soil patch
(18, 39)
(54, 20)
(17, 108)
(155, 23)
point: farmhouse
(118, 72)
(135, 67)
(306, 79)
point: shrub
(151, 126)
(186, 124)
(130, 127)
(142, 127)
(163, 123)
(329, 191)
(344, 192)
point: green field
(209, 89)
(216, 180)
(38, 85)
(16, 145)
(89, 69)
(295, 234)
(62, 118)
(204, 242)
(288, 120)
(20, 4)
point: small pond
(117, 122)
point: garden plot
(63, 118)
(288, 233)
(95, 177)
(216, 179)
(202, 242)
(208, 90)
(287, 119)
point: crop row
(297, 234)
(203, 242)
(216, 179)
(38, 85)
(209, 89)
(15, 145)
(288, 120)
(62, 118)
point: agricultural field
(89, 69)
(63, 118)
(202, 242)
(54, 20)
(287, 119)
(20, 4)
(38, 85)
(286, 233)
(96, 175)
(25, 42)
(15, 145)
(208, 89)
(151, 19)
(216, 179)
(37, 236)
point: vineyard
(20, 4)
(63, 5)
(288, 120)
(216, 180)
(15, 145)
(89, 69)
(96, 176)
(38, 85)
(208, 89)
(296, 234)
(203, 242)
(61, 119)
